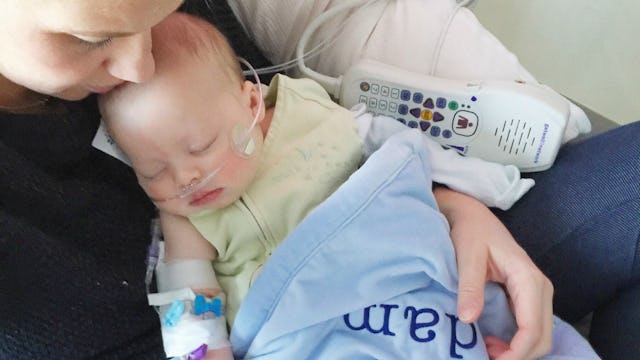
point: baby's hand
(495, 346)
(219, 354)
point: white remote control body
(506, 122)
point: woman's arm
(486, 251)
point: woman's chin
(72, 94)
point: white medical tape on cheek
(191, 273)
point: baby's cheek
(156, 191)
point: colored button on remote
(428, 103)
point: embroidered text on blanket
(423, 324)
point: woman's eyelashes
(93, 43)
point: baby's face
(178, 135)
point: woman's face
(71, 48)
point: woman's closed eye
(93, 42)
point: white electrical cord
(331, 39)
(293, 63)
(316, 50)
(332, 84)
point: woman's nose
(132, 59)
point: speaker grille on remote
(514, 137)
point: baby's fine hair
(183, 37)
(182, 34)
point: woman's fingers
(471, 256)
(531, 301)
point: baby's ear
(248, 87)
(256, 103)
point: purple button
(424, 125)
(437, 116)
(428, 103)
(415, 112)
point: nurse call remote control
(508, 122)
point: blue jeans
(581, 225)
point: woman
(74, 225)
(581, 226)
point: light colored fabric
(175, 281)
(193, 331)
(310, 149)
(403, 33)
(496, 185)
(371, 274)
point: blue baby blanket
(371, 274)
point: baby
(233, 172)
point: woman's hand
(486, 251)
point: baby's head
(188, 131)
